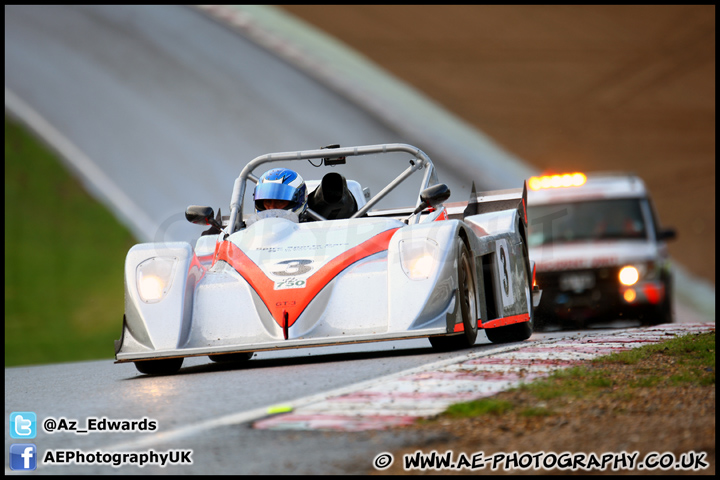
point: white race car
(600, 251)
(268, 281)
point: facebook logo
(23, 425)
(23, 456)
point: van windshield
(586, 221)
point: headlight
(629, 295)
(419, 257)
(629, 275)
(154, 278)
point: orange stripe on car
(286, 305)
(500, 322)
(197, 263)
(442, 216)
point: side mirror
(202, 216)
(666, 234)
(432, 197)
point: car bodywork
(255, 283)
(599, 249)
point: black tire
(665, 312)
(661, 313)
(516, 332)
(231, 357)
(466, 299)
(159, 367)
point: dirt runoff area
(568, 88)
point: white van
(599, 250)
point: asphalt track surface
(154, 99)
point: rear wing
(491, 201)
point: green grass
(692, 350)
(475, 408)
(693, 357)
(64, 257)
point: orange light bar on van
(557, 181)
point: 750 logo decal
(290, 283)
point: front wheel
(159, 367)
(231, 357)
(466, 298)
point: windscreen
(586, 221)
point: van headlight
(419, 257)
(154, 278)
(629, 275)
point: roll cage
(420, 161)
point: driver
(281, 188)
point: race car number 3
(503, 265)
(291, 269)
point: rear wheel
(518, 331)
(466, 299)
(159, 367)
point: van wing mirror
(667, 234)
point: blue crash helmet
(281, 184)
